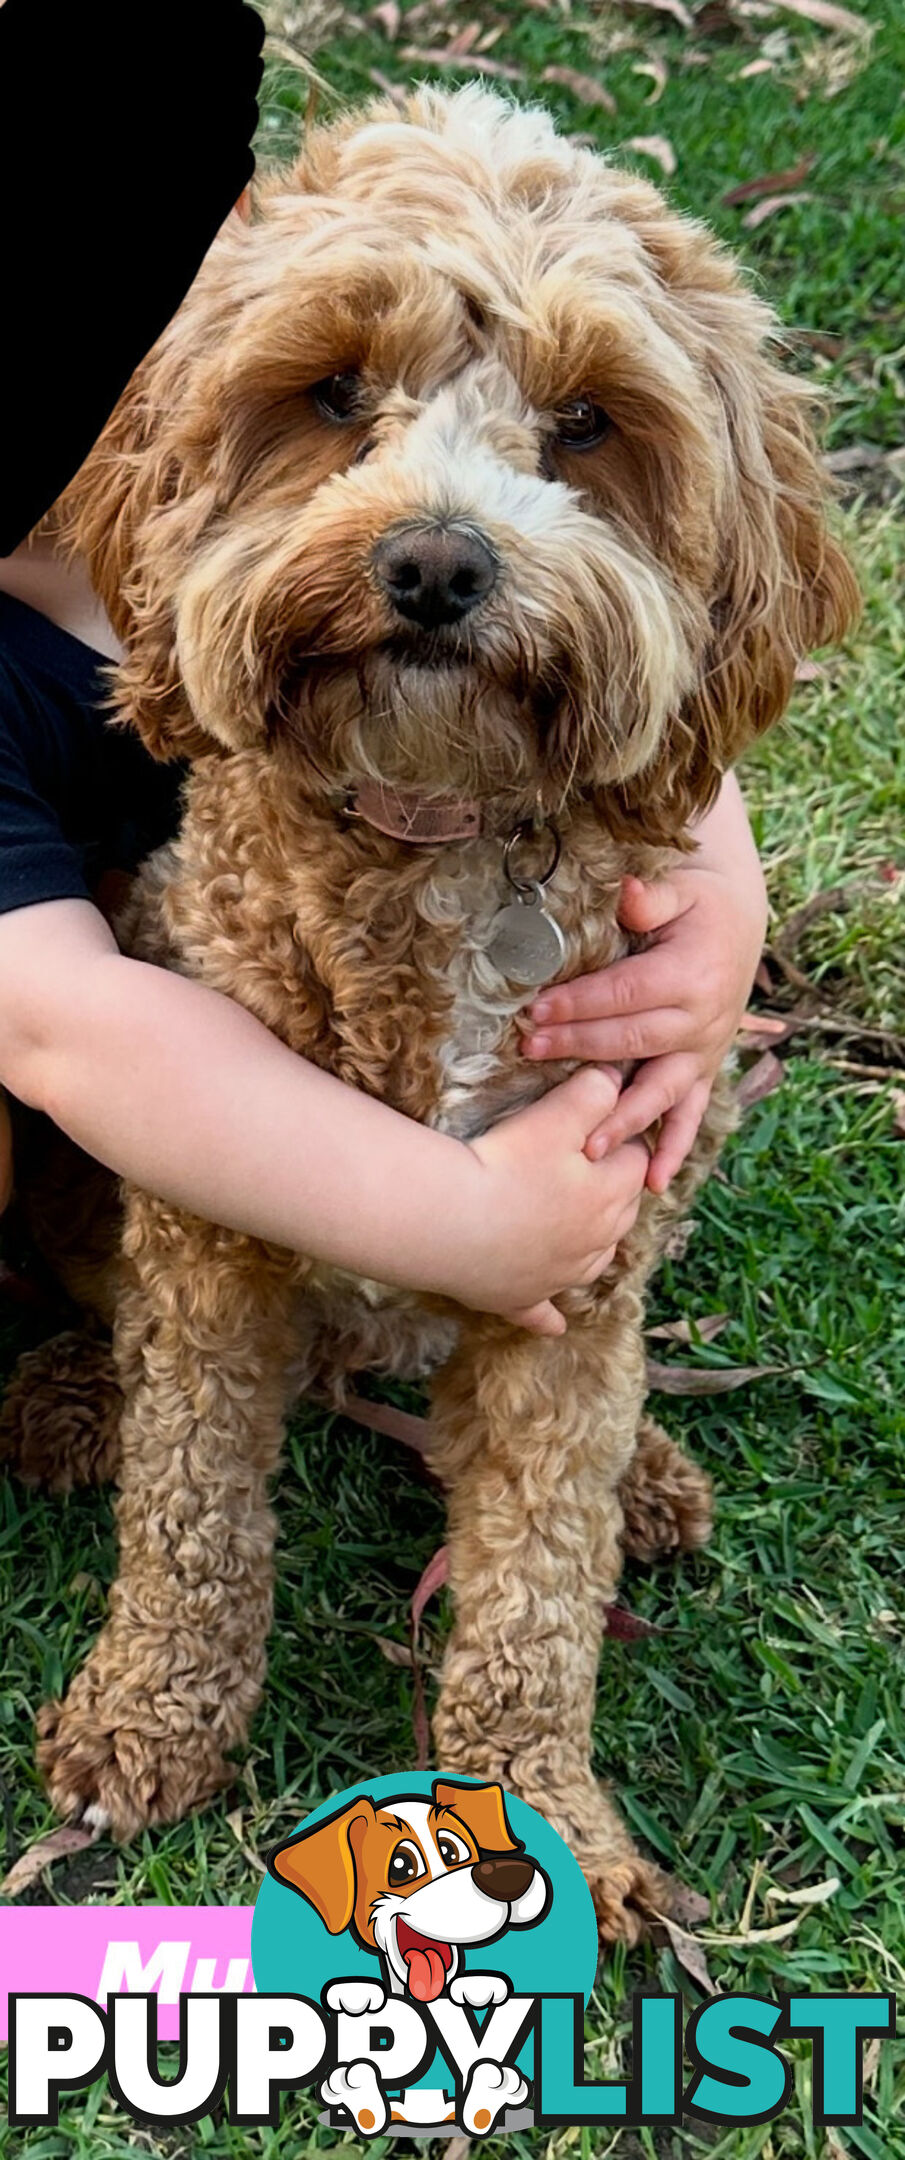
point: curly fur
(475, 273)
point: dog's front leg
(203, 1341)
(531, 1437)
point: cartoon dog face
(418, 1881)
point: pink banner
(101, 1950)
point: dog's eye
(581, 423)
(338, 397)
(452, 1850)
(405, 1864)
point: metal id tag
(525, 941)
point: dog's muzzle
(433, 575)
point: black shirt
(124, 142)
(78, 796)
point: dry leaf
(655, 146)
(871, 2064)
(813, 1894)
(676, 8)
(460, 2147)
(389, 16)
(433, 1578)
(755, 1935)
(769, 183)
(687, 1949)
(810, 671)
(828, 15)
(898, 1113)
(706, 1329)
(626, 1626)
(771, 204)
(386, 1418)
(585, 88)
(470, 63)
(760, 1081)
(392, 90)
(755, 67)
(835, 2150)
(396, 1653)
(856, 457)
(464, 39)
(656, 70)
(31, 1864)
(704, 1379)
(687, 1907)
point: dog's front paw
(491, 2088)
(667, 1500)
(356, 1998)
(478, 1990)
(356, 2087)
(120, 1761)
(627, 1895)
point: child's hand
(675, 1007)
(544, 1217)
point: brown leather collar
(404, 814)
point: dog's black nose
(503, 1875)
(434, 574)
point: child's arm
(181, 1091)
(677, 1005)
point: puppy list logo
(423, 1953)
(433, 1915)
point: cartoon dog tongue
(427, 1963)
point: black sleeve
(124, 142)
(37, 861)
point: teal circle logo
(424, 1898)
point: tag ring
(526, 831)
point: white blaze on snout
(470, 454)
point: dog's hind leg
(531, 1438)
(61, 1412)
(666, 1500)
(203, 1348)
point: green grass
(761, 1733)
(832, 266)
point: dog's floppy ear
(783, 583)
(320, 1864)
(482, 1809)
(133, 515)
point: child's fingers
(646, 1035)
(677, 1136)
(644, 908)
(636, 985)
(570, 1111)
(653, 1093)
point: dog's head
(417, 1881)
(465, 465)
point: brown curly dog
(464, 471)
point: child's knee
(6, 1154)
